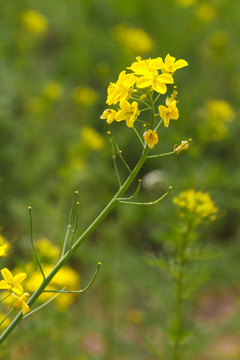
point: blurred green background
(56, 60)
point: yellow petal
(159, 87)
(19, 277)
(165, 78)
(179, 64)
(162, 110)
(144, 81)
(169, 60)
(25, 308)
(7, 275)
(17, 289)
(4, 285)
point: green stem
(78, 242)
(178, 328)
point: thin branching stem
(119, 152)
(5, 297)
(77, 291)
(114, 159)
(32, 242)
(6, 316)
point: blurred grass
(43, 159)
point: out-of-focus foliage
(56, 61)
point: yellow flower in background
(85, 95)
(92, 138)
(12, 283)
(21, 303)
(53, 90)
(128, 112)
(46, 249)
(205, 12)
(186, 3)
(122, 89)
(169, 112)
(196, 204)
(109, 115)
(4, 246)
(66, 277)
(216, 114)
(34, 22)
(171, 65)
(134, 39)
(151, 138)
(6, 322)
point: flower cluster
(13, 285)
(196, 205)
(144, 80)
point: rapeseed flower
(156, 81)
(134, 39)
(122, 89)
(92, 138)
(12, 283)
(21, 303)
(85, 95)
(46, 249)
(34, 22)
(109, 115)
(151, 138)
(4, 246)
(216, 115)
(53, 90)
(169, 112)
(142, 67)
(171, 65)
(128, 112)
(196, 205)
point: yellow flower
(85, 95)
(216, 115)
(151, 138)
(128, 112)
(142, 67)
(156, 81)
(134, 39)
(206, 12)
(122, 89)
(186, 3)
(92, 138)
(11, 282)
(21, 303)
(196, 204)
(170, 65)
(46, 249)
(53, 90)
(4, 246)
(168, 113)
(34, 22)
(67, 276)
(109, 115)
